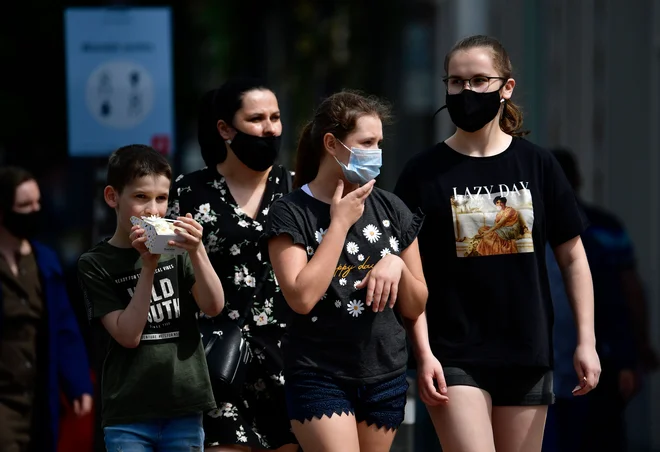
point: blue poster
(119, 79)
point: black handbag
(225, 345)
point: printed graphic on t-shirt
(163, 320)
(361, 254)
(493, 219)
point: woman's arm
(430, 376)
(572, 260)
(412, 289)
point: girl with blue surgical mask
(346, 257)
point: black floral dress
(257, 418)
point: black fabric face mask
(257, 153)
(470, 111)
(22, 225)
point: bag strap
(288, 182)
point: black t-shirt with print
(483, 250)
(341, 336)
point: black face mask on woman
(470, 111)
(22, 225)
(257, 153)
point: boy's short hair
(134, 161)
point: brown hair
(511, 121)
(338, 115)
(134, 161)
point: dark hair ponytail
(338, 115)
(511, 121)
(308, 157)
(210, 142)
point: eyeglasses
(478, 83)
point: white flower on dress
(178, 178)
(338, 304)
(371, 233)
(259, 256)
(342, 282)
(385, 252)
(226, 410)
(258, 226)
(310, 250)
(361, 257)
(352, 248)
(250, 281)
(240, 435)
(182, 190)
(265, 211)
(234, 250)
(355, 307)
(278, 379)
(238, 211)
(243, 224)
(314, 319)
(238, 278)
(277, 180)
(216, 185)
(204, 209)
(320, 234)
(394, 244)
(386, 223)
(233, 314)
(357, 283)
(261, 319)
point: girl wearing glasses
(492, 200)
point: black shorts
(508, 386)
(314, 395)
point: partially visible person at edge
(155, 383)
(346, 256)
(41, 348)
(621, 327)
(492, 200)
(239, 134)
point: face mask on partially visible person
(363, 164)
(22, 225)
(257, 153)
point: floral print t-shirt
(341, 336)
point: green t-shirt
(166, 375)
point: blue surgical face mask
(363, 165)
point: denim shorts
(312, 395)
(507, 387)
(181, 434)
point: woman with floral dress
(239, 135)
